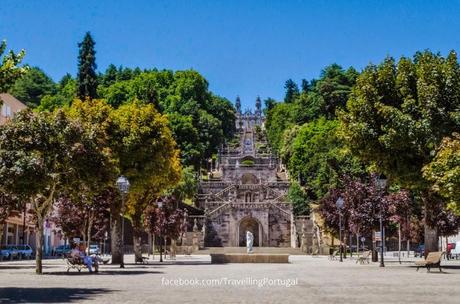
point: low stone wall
(223, 258)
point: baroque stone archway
(249, 178)
(249, 224)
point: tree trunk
(137, 244)
(399, 243)
(136, 220)
(431, 232)
(88, 231)
(39, 245)
(1, 232)
(115, 237)
(357, 244)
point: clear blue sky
(242, 47)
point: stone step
(262, 250)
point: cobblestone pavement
(194, 280)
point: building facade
(246, 190)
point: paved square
(194, 280)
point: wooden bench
(432, 260)
(333, 256)
(364, 258)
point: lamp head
(123, 184)
(339, 203)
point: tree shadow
(48, 295)
(4, 267)
(103, 272)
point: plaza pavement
(313, 280)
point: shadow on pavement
(2, 267)
(103, 272)
(48, 295)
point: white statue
(249, 241)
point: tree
(187, 187)
(167, 221)
(364, 203)
(397, 116)
(319, 157)
(32, 86)
(87, 77)
(66, 93)
(444, 171)
(8, 203)
(9, 69)
(401, 209)
(147, 156)
(305, 86)
(299, 199)
(41, 155)
(279, 119)
(84, 220)
(269, 104)
(292, 91)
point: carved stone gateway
(247, 191)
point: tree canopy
(87, 77)
(10, 71)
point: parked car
(62, 250)
(94, 249)
(9, 251)
(455, 252)
(419, 251)
(4, 254)
(25, 251)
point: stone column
(195, 245)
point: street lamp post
(339, 204)
(381, 182)
(123, 186)
(160, 205)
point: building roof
(12, 101)
(9, 106)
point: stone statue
(249, 241)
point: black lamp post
(160, 205)
(339, 205)
(123, 186)
(381, 183)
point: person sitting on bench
(79, 252)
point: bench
(364, 258)
(432, 260)
(78, 264)
(142, 260)
(333, 256)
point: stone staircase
(265, 250)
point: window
(6, 111)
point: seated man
(79, 252)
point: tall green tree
(10, 71)
(41, 156)
(397, 116)
(320, 158)
(147, 156)
(87, 77)
(292, 91)
(32, 87)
